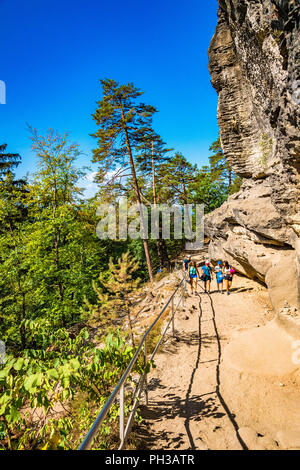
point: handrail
(86, 444)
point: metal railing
(142, 383)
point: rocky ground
(210, 390)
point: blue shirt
(206, 270)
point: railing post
(146, 379)
(183, 291)
(122, 413)
(173, 323)
(119, 390)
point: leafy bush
(39, 389)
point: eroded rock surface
(254, 61)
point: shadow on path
(192, 407)
(222, 401)
(188, 408)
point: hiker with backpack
(228, 272)
(193, 275)
(186, 263)
(207, 276)
(219, 276)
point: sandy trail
(186, 408)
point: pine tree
(175, 177)
(208, 190)
(114, 294)
(8, 161)
(12, 191)
(14, 269)
(218, 162)
(123, 124)
(154, 154)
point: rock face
(254, 61)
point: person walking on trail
(186, 263)
(228, 272)
(207, 276)
(193, 274)
(219, 276)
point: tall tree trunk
(22, 315)
(158, 242)
(23, 333)
(138, 198)
(229, 178)
(165, 254)
(162, 251)
(153, 176)
(185, 198)
(57, 259)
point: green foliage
(56, 276)
(115, 293)
(277, 35)
(47, 379)
(174, 179)
(236, 185)
(49, 251)
(118, 115)
(156, 333)
(208, 190)
(124, 128)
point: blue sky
(53, 54)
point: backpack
(206, 271)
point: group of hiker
(222, 270)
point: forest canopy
(56, 275)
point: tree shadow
(171, 406)
(243, 289)
(230, 415)
(192, 407)
(232, 289)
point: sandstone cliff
(254, 61)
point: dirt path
(186, 408)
